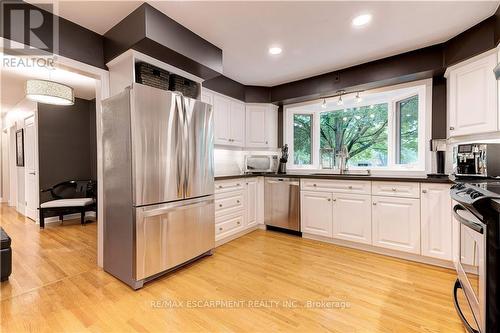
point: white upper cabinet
(436, 221)
(352, 217)
(222, 107)
(472, 97)
(237, 124)
(261, 126)
(229, 119)
(316, 213)
(396, 223)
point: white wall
(13, 121)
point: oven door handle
(473, 225)
(469, 328)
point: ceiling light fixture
(340, 101)
(49, 92)
(275, 50)
(361, 20)
(323, 105)
(358, 98)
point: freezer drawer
(282, 203)
(171, 234)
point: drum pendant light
(49, 92)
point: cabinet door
(221, 120)
(396, 223)
(251, 202)
(352, 217)
(316, 213)
(435, 223)
(207, 97)
(256, 126)
(271, 136)
(473, 98)
(237, 124)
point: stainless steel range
(158, 182)
(478, 259)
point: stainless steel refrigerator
(158, 182)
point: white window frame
(422, 88)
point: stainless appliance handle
(282, 182)
(186, 204)
(469, 328)
(473, 225)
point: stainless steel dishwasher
(282, 203)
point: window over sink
(384, 129)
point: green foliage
(302, 139)
(408, 123)
(363, 130)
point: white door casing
(31, 167)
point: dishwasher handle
(283, 181)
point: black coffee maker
(283, 159)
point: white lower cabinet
(316, 213)
(436, 221)
(236, 207)
(251, 202)
(352, 217)
(396, 223)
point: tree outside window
(363, 130)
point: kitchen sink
(346, 174)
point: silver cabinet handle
(314, 185)
(452, 128)
(220, 229)
(394, 189)
(334, 199)
(329, 199)
(424, 191)
(350, 187)
(374, 203)
(220, 186)
(32, 173)
(220, 205)
(238, 184)
(238, 222)
(237, 201)
(266, 143)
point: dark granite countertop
(422, 179)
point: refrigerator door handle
(177, 206)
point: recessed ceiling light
(275, 50)
(361, 20)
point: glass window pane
(363, 130)
(407, 135)
(302, 139)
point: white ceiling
(13, 80)
(316, 37)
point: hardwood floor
(270, 278)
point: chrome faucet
(342, 156)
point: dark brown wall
(66, 143)
(439, 107)
(75, 41)
(149, 31)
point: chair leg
(61, 217)
(42, 219)
(82, 216)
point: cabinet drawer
(229, 225)
(396, 189)
(228, 202)
(229, 185)
(336, 186)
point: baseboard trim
(236, 235)
(21, 209)
(382, 251)
(54, 219)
